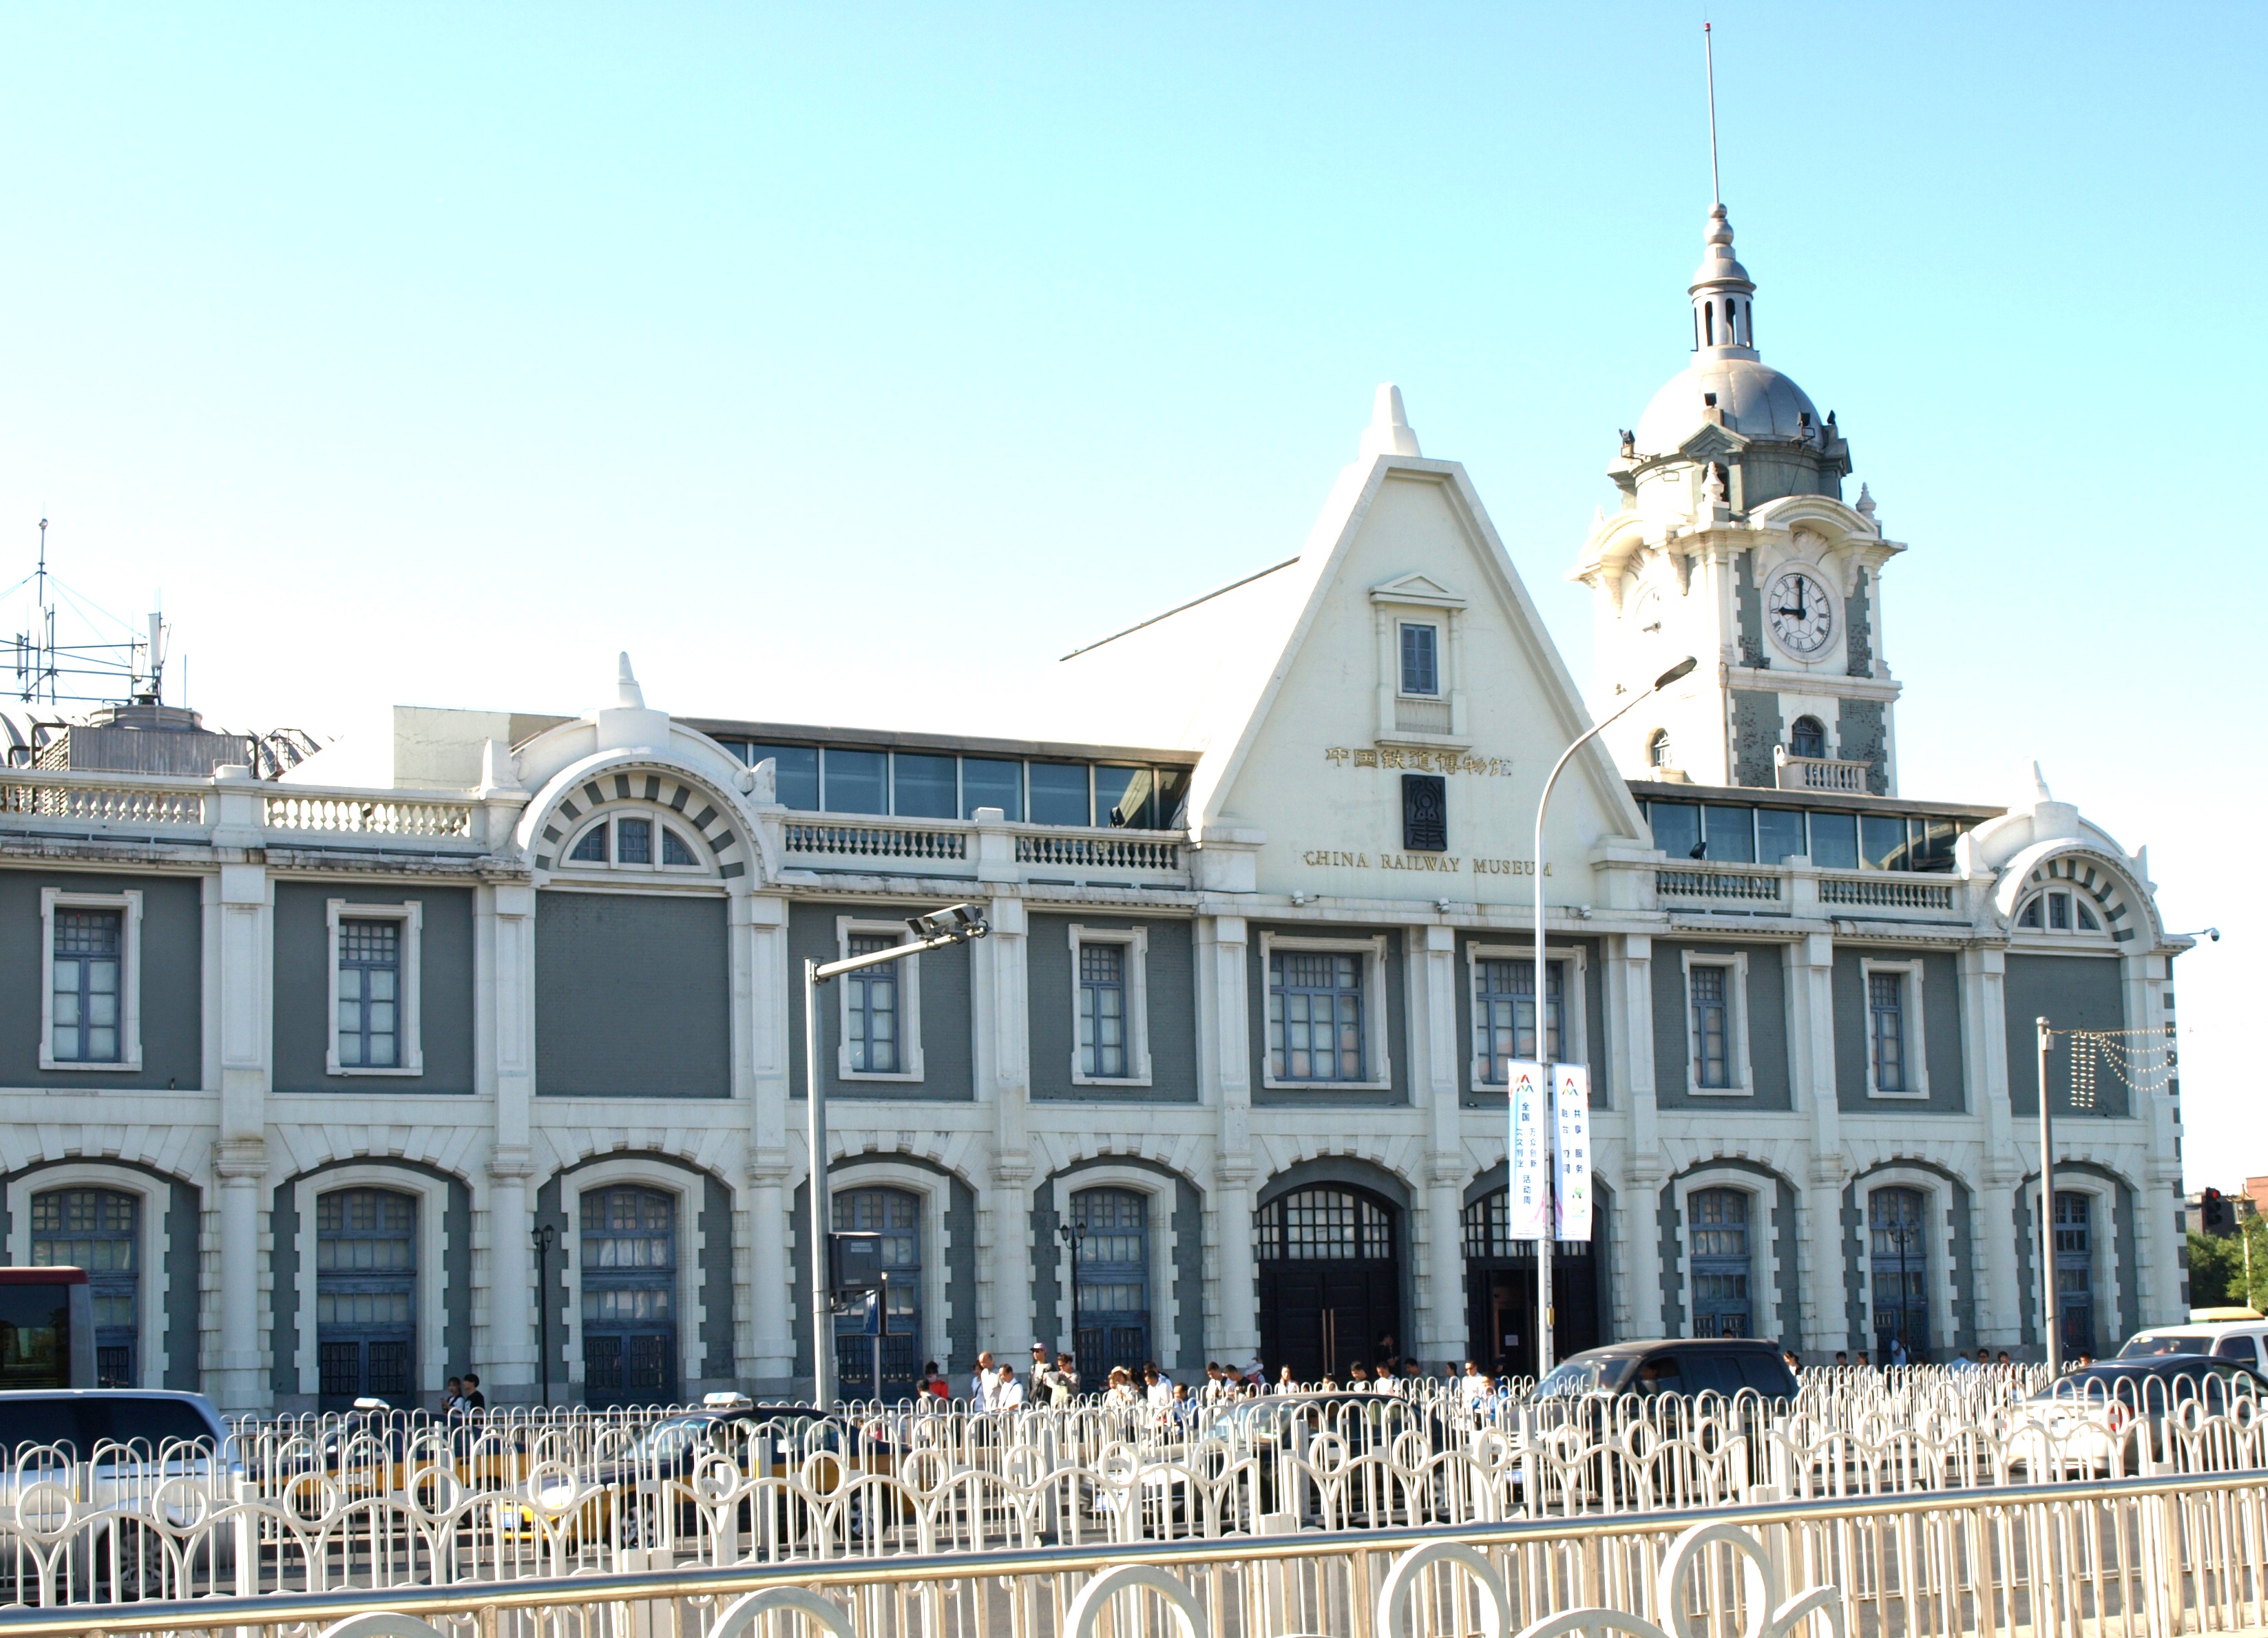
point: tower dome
(1727, 406)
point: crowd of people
(1053, 1378)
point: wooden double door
(1321, 1317)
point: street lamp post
(940, 929)
(1544, 1246)
(1071, 1234)
(543, 1235)
(2049, 1326)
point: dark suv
(1721, 1365)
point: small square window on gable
(1420, 625)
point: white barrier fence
(2154, 1558)
(314, 1504)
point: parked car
(2098, 1419)
(1681, 1367)
(148, 1453)
(2243, 1341)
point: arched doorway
(1330, 1279)
(1113, 1281)
(630, 1296)
(97, 1229)
(366, 1297)
(1894, 1218)
(896, 1215)
(1500, 1296)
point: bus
(47, 1328)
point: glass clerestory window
(370, 994)
(1421, 660)
(1504, 1015)
(1712, 1031)
(88, 984)
(938, 785)
(1832, 839)
(1102, 1011)
(1315, 1016)
(874, 1032)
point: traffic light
(2215, 1216)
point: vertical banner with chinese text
(1571, 1092)
(1528, 1215)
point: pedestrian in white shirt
(980, 1384)
(1157, 1392)
(1007, 1392)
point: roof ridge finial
(1390, 432)
(627, 694)
(1709, 63)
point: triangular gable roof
(1328, 543)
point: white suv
(2243, 1341)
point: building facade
(476, 1040)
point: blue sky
(433, 354)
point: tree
(2216, 1272)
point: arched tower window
(1658, 753)
(1807, 738)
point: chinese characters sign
(1528, 1216)
(1572, 1088)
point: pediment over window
(1712, 443)
(1417, 588)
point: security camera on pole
(1552, 1103)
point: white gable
(1318, 759)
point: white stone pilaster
(1810, 972)
(1226, 1066)
(1985, 1070)
(773, 989)
(1000, 996)
(1629, 1053)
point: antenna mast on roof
(1709, 63)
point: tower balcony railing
(1820, 773)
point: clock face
(1797, 608)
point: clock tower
(1733, 543)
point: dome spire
(1723, 296)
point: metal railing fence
(2145, 1558)
(305, 1504)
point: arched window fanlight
(634, 842)
(1658, 753)
(1807, 738)
(2058, 912)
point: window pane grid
(370, 979)
(1886, 1011)
(1102, 1010)
(87, 977)
(1324, 1225)
(1504, 1014)
(1711, 1027)
(872, 996)
(1315, 1016)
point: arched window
(630, 1296)
(1658, 753)
(1807, 738)
(633, 840)
(1895, 1222)
(1717, 1245)
(2056, 911)
(366, 1296)
(896, 1215)
(1113, 1323)
(1328, 1225)
(96, 1229)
